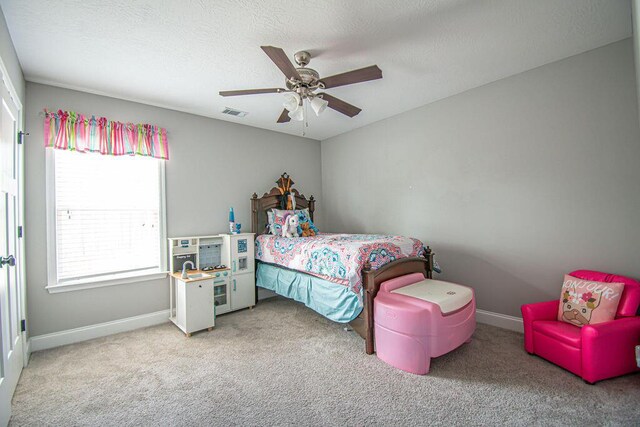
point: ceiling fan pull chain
(304, 119)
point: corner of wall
(9, 58)
(635, 8)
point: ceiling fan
(302, 82)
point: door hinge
(23, 325)
(21, 136)
(19, 232)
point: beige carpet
(281, 364)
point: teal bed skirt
(334, 301)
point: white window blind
(108, 215)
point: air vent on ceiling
(232, 112)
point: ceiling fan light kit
(297, 114)
(301, 83)
(319, 105)
(292, 101)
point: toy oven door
(221, 296)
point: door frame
(20, 244)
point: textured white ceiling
(179, 54)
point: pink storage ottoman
(417, 319)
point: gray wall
(635, 12)
(10, 59)
(513, 184)
(213, 165)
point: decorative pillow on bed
(307, 227)
(277, 216)
(586, 302)
(276, 220)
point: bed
(337, 275)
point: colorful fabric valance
(67, 130)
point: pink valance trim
(67, 130)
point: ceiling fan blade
(340, 106)
(284, 117)
(281, 60)
(351, 77)
(251, 91)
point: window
(105, 219)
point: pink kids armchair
(593, 352)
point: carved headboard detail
(274, 199)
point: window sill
(115, 279)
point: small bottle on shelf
(232, 221)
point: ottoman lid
(449, 296)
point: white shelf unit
(191, 246)
(229, 289)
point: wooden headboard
(272, 199)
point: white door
(199, 307)
(11, 341)
(243, 291)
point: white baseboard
(500, 320)
(27, 352)
(71, 336)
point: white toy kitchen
(210, 275)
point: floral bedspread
(338, 258)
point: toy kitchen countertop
(196, 275)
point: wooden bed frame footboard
(371, 279)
